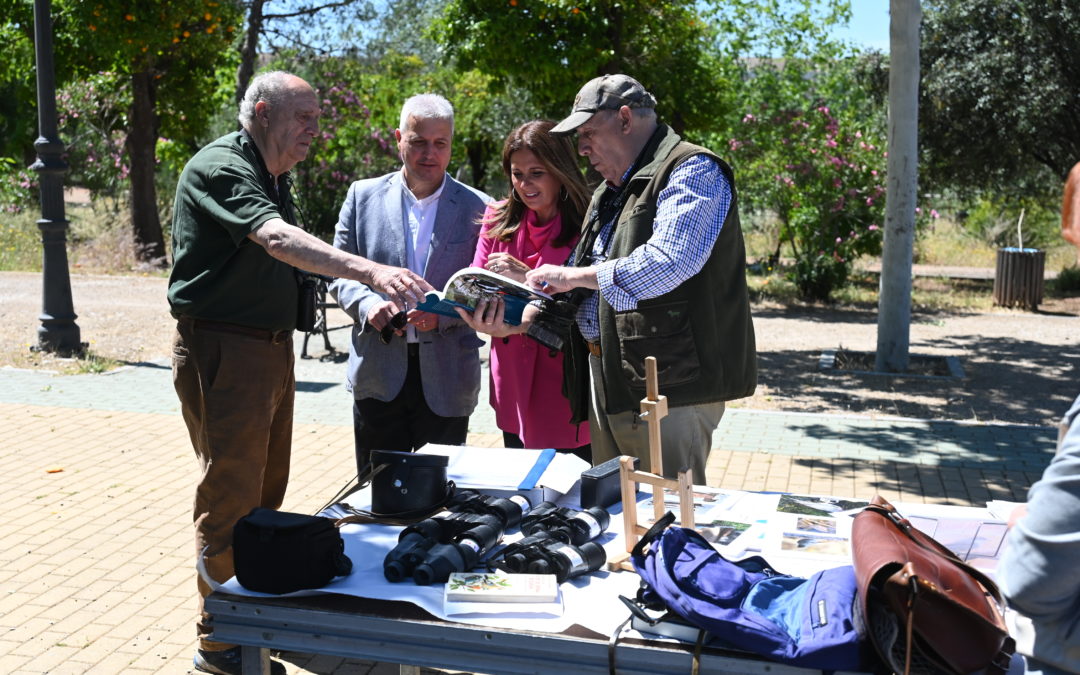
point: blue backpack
(812, 623)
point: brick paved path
(97, 477)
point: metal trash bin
(1018, 278)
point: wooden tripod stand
(653, 409)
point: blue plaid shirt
(690, 212)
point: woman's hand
(488, 318)
(507, 265)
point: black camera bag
(282, 552)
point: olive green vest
(701, 333)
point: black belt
(273, 336)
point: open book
(467, 287)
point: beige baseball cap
(607, 92)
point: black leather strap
(613, 642)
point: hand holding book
(507, 265)
(475, 288)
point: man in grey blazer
(416, 383)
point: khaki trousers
(236, 395)
(685, 433)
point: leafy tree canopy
(1000, 94)
(551, 47)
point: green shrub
(1068, 280)
(994, 220)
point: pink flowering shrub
(18, 186)
(824, 178)
(92, 120)
(350, 147)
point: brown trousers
(236, 395)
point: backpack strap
(653, 533)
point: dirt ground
(1018, 367)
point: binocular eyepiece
(542, 553)
(564, 524)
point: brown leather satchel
(926, 610)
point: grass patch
(87, 362)
(99, 240)
(927, 293)
(20, 242)
(90, 363)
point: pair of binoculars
(453, 540)
(542, 553)
(565, 524)
(558, 540)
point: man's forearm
(298, 248)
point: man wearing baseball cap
(661, 266)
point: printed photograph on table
(709, 503)
(816, 524)
(723, 532)
(817, 544)
(819, 506)
(817, 536)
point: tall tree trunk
(249, 51)
(475, 152)
(141, 150)
(894, 301)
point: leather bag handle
(889, 512)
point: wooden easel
(653, 409)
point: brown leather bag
(926, 610)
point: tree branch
(310, 10)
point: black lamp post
(58, 331)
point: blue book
(467, 287)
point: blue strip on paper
(538, 469)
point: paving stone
(95, 568)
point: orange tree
(158, 57)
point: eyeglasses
(397, 322)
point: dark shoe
(228, 662)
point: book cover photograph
(467, 287)
(501, 587)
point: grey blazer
(371, 225)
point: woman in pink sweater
(538, 223)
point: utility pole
(58, 331)
(894, 300)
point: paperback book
(501, 587)
(467, 287)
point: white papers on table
(506, 468)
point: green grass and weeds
(946, 244)
(99, 240)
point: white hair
(270, 87)
(427, 107)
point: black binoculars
(564, 524)
(542, 553)
(453, 540)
